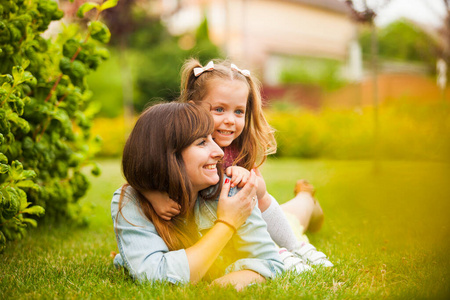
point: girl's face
(200, 159)
(227, 101)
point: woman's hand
(239, 176)
(164, 207)
(239, 279)
(235, 210)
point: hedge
(46, 112)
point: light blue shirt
(145, 255)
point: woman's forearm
(202, 254)
(239, 279)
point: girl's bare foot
(317, 217)
(303, 185)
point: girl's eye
(219, 109)
(239, 112)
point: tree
(159, 74)
(444, 48)
(403, 40)
(366, 15)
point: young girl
(233, 97)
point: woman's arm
(239, 279)
(233, 210)
(147, 257)
(252, 250)
(262, 253)
(144, 253)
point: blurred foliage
(45, 113)
(321, 72)
(114, 134)
(106, 86)
(158, 75)
(153, 55)
(408, 131)
(404, 41)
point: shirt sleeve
(144, 252)
(253, 238)
(257, 251)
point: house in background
(269, 35)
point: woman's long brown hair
(257, 139)
(152, 160)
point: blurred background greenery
(336, 105)
(318, 103)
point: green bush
(407, 131)
(45, 113)
(322, 72)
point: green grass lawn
(388, 235)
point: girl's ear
(191, 102)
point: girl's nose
(229, 120)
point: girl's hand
(235, 210)
(239, 176)
(165, 207)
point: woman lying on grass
(219, 234)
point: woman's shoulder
(127, 191)
(125, 203)
(128, 194)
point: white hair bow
(208, 67)
(246, 73)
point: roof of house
(332, 5)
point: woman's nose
(216, 151)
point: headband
(209, 67)
(246, 73)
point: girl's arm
(165, 207)
(239, 177)
(264, 199)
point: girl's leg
(305, 207)
(277, 224)
(287, 229)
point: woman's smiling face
(200, 160)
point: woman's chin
(214, 181)
(207, 183)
